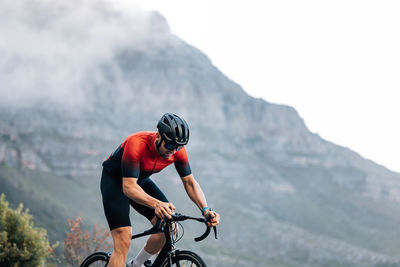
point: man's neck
(157, 146)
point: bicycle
(169, 255)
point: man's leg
(155, 242)
(122, 239)
(153, 245)
(116, 209)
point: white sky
(336, 62)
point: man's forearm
(195, 192)
(137, 194)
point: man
(125, 181)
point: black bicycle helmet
(173, 129)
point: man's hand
(213, 216)
(164, 209)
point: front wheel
(97, 259)
(185, 258)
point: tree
(21, 244)
(78, 243)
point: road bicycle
(169, 255)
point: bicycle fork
(170, 256)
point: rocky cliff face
(90, 75)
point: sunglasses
(171, 146)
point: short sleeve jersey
(137, 157)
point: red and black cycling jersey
(137, 157)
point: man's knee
(154, 220)
(122, 239)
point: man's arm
(196, 194)
(133, 191)
(194, 191)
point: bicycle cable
(175, 237)
(177, 234)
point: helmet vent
(177, 133)
(183, 132)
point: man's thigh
(151, 189)
(115, 203)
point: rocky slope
(72, 93)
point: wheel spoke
(188, 259)
(99, 264)
(186, 263)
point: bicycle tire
(97, 259)
(185, 258)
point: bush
(78, 243)
(21, 244)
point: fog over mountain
(79, 76)
(50, 46)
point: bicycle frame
(167, 249)
(166, 227)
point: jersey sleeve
(182, 163)
(130, 164)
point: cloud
(48, 47)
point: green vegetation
(21, 244)
(32, 189)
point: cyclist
(126, 181)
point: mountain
(79, 76)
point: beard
(163, 152)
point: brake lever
(215, 232)
(207, 232)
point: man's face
(164, 152)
